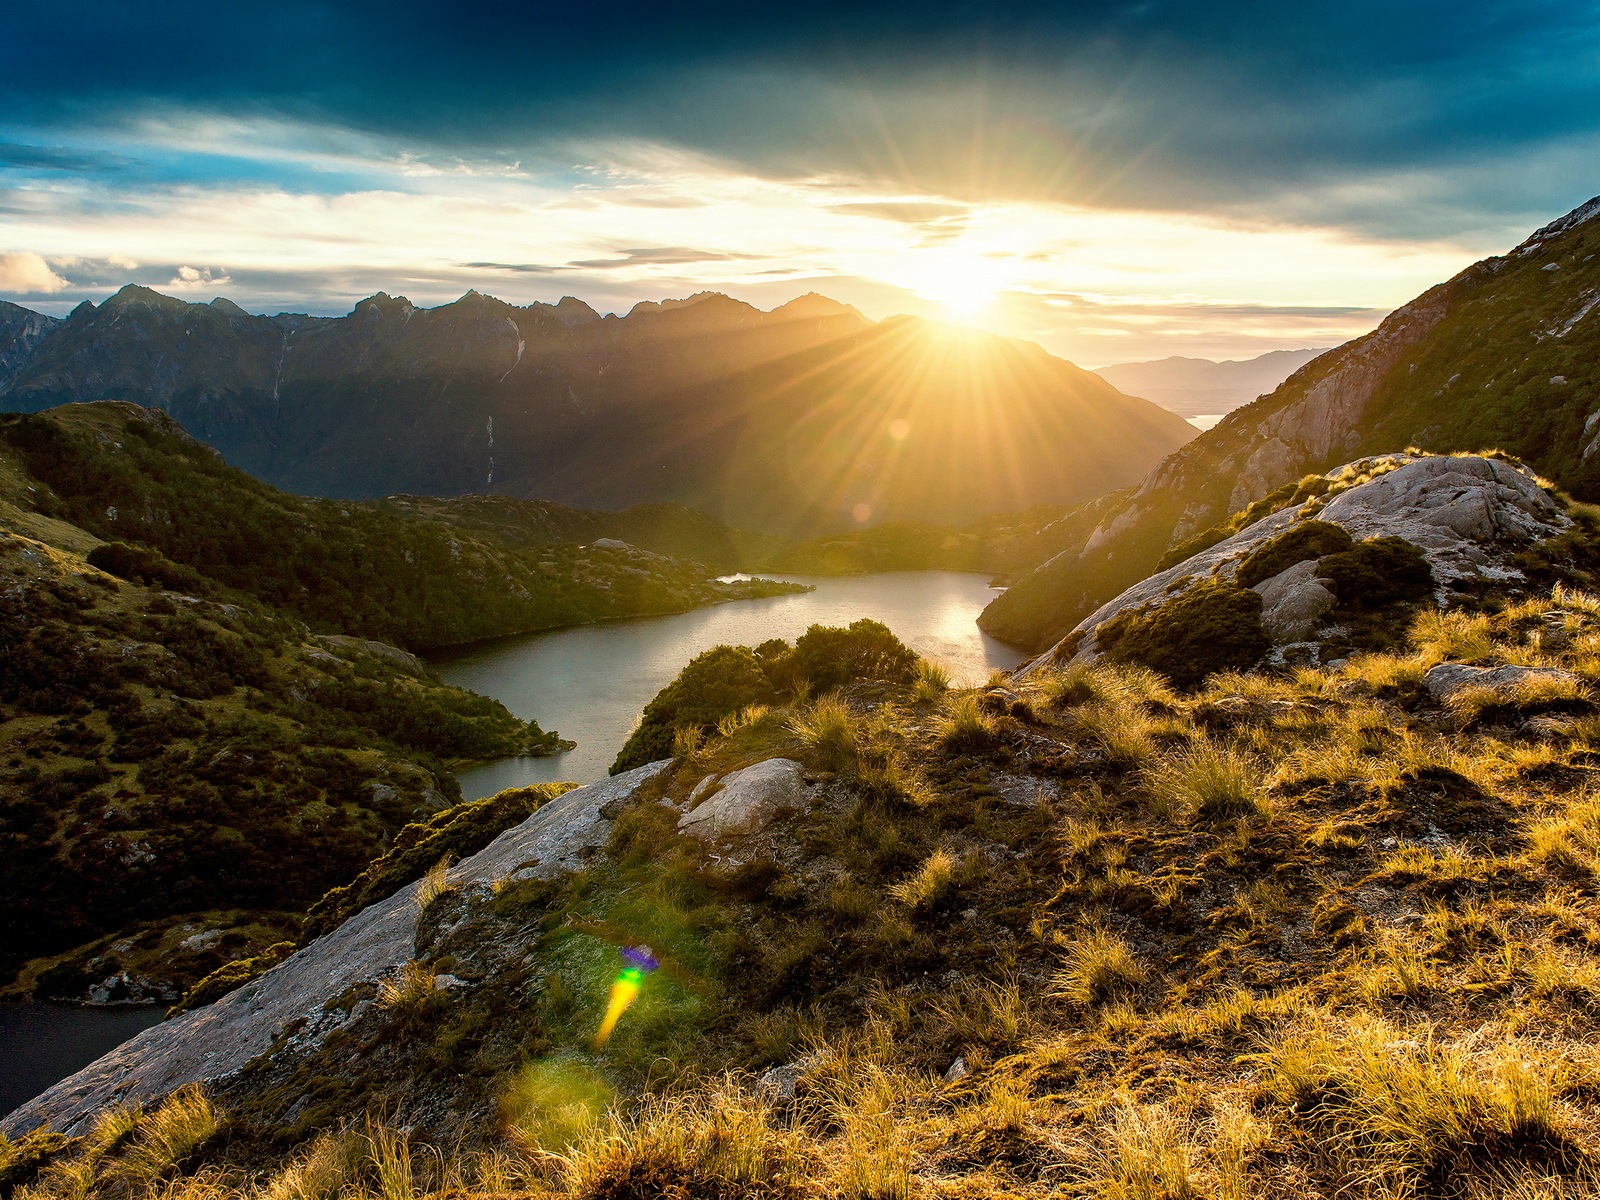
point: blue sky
(1116, 180)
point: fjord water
(41, 1043)
(591, 683)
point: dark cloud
(56, 158)
(1437, 107)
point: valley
(1245, 845)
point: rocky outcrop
(1468, 515)
(293, 1008)
(1422, 378)
(1446, 679)
(746, 800)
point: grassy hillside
(198, 737)
(1503, 355)
(1313, 933)
(202, 765)
(422, 574)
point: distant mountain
(1196, 387)
(1506, 354)
(803, 420)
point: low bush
(1301, 541)
(1214, 626)
(139, 565)
(1376, 572)
(728, 679)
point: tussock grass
(735, 722)
(433, 884)
(992, 1014)
(890, 777)
(1123, 732)
(931, 883)
(720, 1142)
(1446, 634)
(1207, 780)
(933, 681)
(184, 1122)
(828, 731)
(1396, 1105)
(554, 1103)
(322, 1172)
(1100, 967)
(687, 743)
(964, 727)
(408, 989)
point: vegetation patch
(1301, 541)
(1214, 626)
(1376, 572)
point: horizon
(1115, 182)
(663, 302)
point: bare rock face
(296, 998)
(1469, 515)
(748, 799)
(1293, 603)
(1446, 679)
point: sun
(963, 283)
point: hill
(1327, 931)
(800, 421)
(202, 726)
(1195, 387)
(1505, 354)
(425, 574)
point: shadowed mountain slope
(799, 421)
(1506, 354)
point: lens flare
(625, 988)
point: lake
(43, 1043)
(591, 683)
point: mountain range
(1199, 387)
(804, 420)
(1506, 354)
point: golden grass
(932, 682)
(412, 986)
(1207, 780)
(827, 729)
(931, 882)
(433, 884)
(964, 727)
(1100, 967)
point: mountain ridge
(1195, 387)
(1502, 355)
(809, 416)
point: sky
(1116, 180)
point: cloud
(25, 274)
(663, 256)
(198, 277)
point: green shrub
(723, 680)
(230, 976)
(1376, 572)
(1301, 541)
(727, 679)
(1213, 626)
(138, 565)
(829, 657)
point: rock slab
(748, 800)
(215, 1042)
